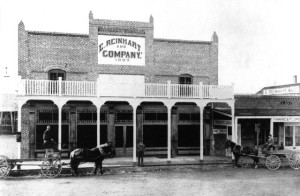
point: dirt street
(183, 180)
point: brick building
(118, 84)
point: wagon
(273, 159)
(51, 165)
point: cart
(51, 165)
(273, 159)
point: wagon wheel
(4, 167)
(273, 162)
(51, 167)
(294, 161)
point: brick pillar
(25, 132)
(111, 125)
(73, 126)
(32, 141)
(174, 132)
(139, 124)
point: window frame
(185, 77)
(57, 72)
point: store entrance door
(124, 140)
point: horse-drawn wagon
(51, 165)
(273, 158)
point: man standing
(140, 151)
(48, 141)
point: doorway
(124, 140)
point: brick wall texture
(25, 134)
(76, 54)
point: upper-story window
(54, 74)
(185, 79)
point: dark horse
(96, 155)
(239, 151)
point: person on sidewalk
(48, 141)
(140, 151)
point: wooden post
(134, 105)
(201, 133)
(201, 106)
(169, 106)
(60, 104)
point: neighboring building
(118, 84)
(8, 116)
(273, 110)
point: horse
(239, 151)
(96, 155)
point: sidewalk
(33, 167)
(148, 161)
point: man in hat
(140, 151)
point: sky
(258, 39)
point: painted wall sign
(219, 131)
(223, 122)
(121, 50)
(284, 90)
(286, 119)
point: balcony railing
(97, 89)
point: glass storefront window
(288, 136)
(297, 135)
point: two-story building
(118, 84)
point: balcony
(135, 90)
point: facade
(118, 84)
(273, 110)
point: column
(271, 127)
(59, 127)
(60, 104)
(98, 105)
(294, 137)
(201, 108)
(201, 133)
(20, 104)
(234, 128)
(134, 105)
(169, 107)
(98, 124)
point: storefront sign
(223, 122)
(286, 119)
(219, 131)
(121, 50)
(284, 90)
